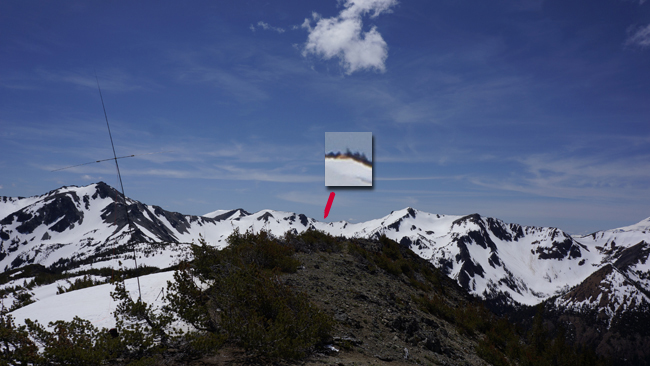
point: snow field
(93, 303)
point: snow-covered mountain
(78, 227)
(622, 282)
(84, 224)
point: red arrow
(329, 204)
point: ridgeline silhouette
(356, 156)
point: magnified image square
(348, 159)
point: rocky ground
(378, 323)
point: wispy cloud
(577, 177)
(434, 101)
(640, 36)
(342, 36)
(110, 80)
(240, 70)
(592, 171)
(266, 26)
(17, 83)
(200, 158)
(416, 178)
(265, 175)
(221, 172)
(241, 87)
(261, 152)
(303, 197)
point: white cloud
(342, 36)
(354, 8)
(641, 37)
(1, 187)
(266, 26)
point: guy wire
(126, 208)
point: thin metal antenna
(119, 157)
(126, 208)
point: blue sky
(532, 111)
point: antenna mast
(126, 208)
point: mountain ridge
(508, 263)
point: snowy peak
(395, 219)
(515, 263)
(643, 226)
(57, 210)
(228, 214)
(611, 243)
(67, 222)
(549, 243)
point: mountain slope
(78, 227)
(623, 281)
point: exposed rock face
(58, 210)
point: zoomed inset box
(348, 159)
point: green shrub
(16, 346)
(265, 317)
(390, 258)
(312, 240)
(390, 248)
(22, 297)
(362, 255)
(491, 354)
(79, 283)
(502, 345)
(259, 250)
(142, 330)
(235, 293)
(436, 306)
(72, 343)
(199, 343)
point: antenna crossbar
(115, 158)
(126, 207)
